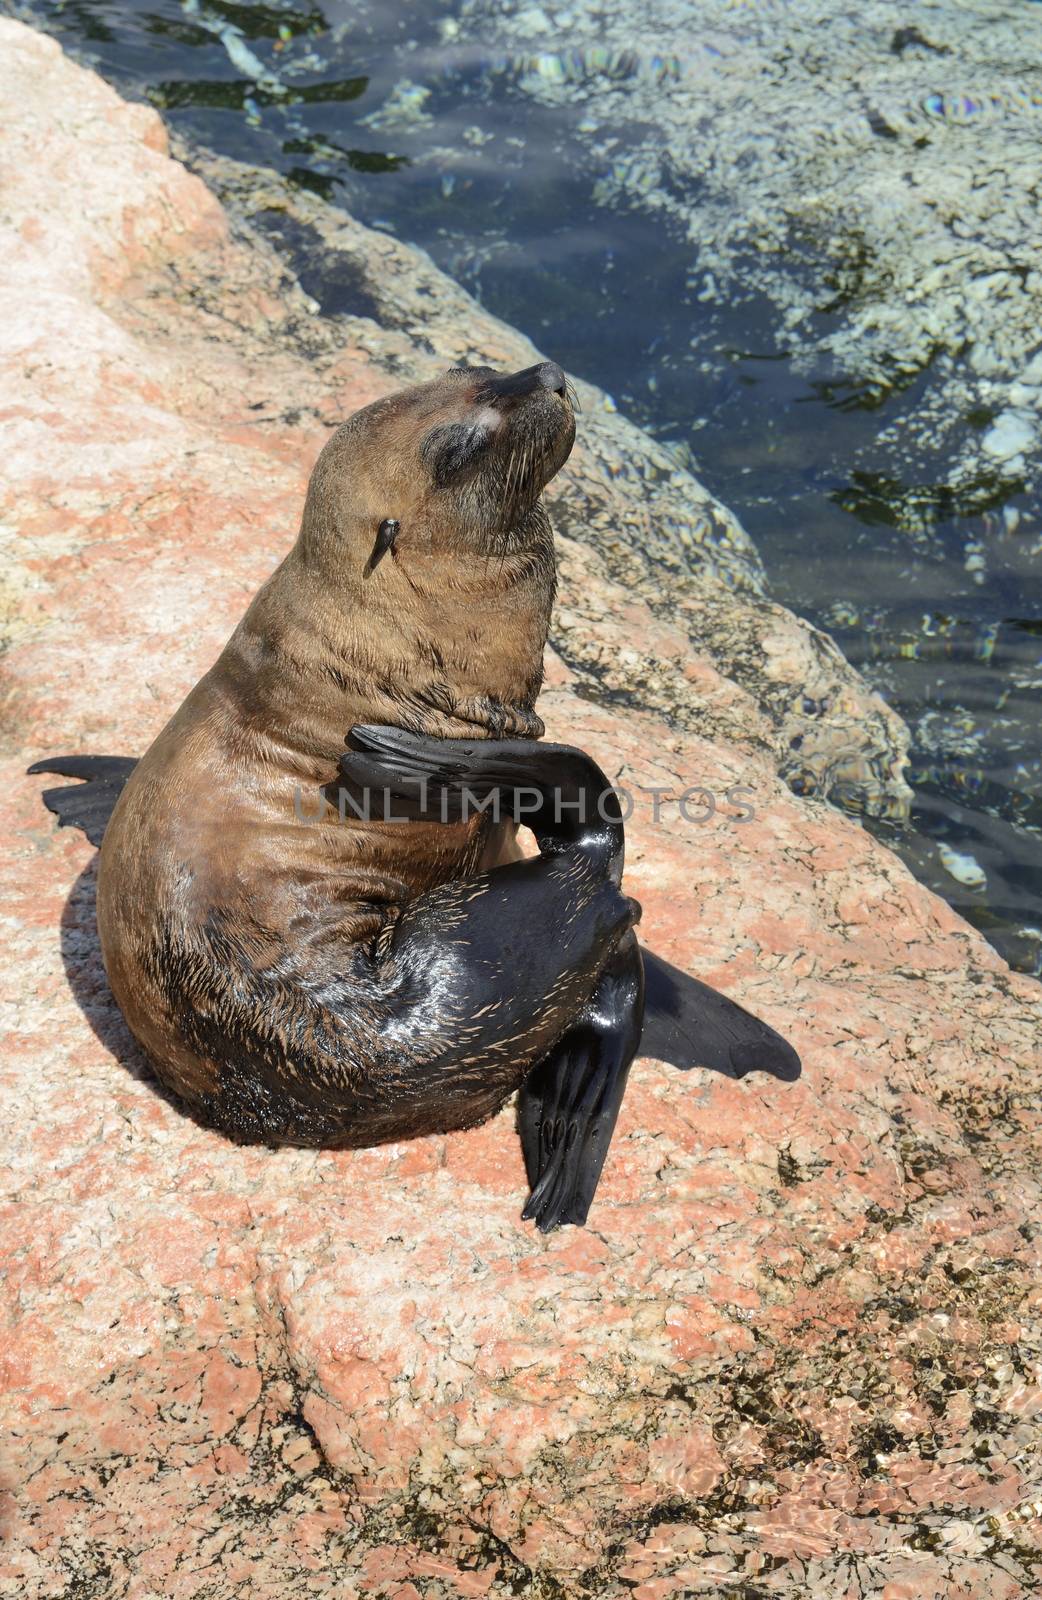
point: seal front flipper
(90, 804)
(569, 1104)
(690, 1025)
(556, 790)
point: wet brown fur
(239, 939)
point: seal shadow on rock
(348, 982)
(85, 973)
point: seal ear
(386, 534)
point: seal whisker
(509, 486)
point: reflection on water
(390, 109)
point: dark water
(501, 193)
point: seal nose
(550, 376)
(515, 385)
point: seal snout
(545, 375)
(550, 376)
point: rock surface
(799, 1349)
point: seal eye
(451, 447)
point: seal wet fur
(302, 977)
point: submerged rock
(797, 1351)
(1010, 435)
(961, 866)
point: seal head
(450, 469)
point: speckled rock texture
(797, 1352)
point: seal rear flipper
(90, 804)
(690, 1025)
(569, 1104)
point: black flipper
(569, 1103)
(689, 1025)
(87, 805)
(555, 789)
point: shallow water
(934, 593)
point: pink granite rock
(798, 1349)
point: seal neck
(450, 653)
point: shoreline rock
(799, 1347)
